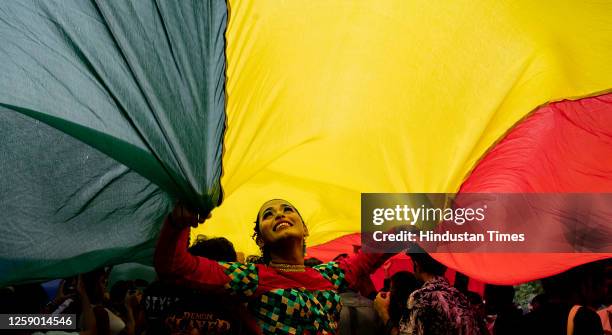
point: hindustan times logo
(412, 215)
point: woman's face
(279, 220)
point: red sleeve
(174, 263)
(358, 268)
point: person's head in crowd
(538, 302)
(217, 248)
(583, 285)
(474, 298)
(425, 267)
(401, 285)
(280, 231)
(95, 283)
(312, 261)
(498, 298)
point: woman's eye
(288, 209)
(267, 215)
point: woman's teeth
(282, 225)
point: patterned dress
(439, 309)
(281, 302)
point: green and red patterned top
(281, 302)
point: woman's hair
(265, 253)
(403, 283)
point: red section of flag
(563, 147)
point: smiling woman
(280, 233)
(282, 295)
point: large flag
(131, 105)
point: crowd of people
(206, 288)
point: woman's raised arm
(175, 264)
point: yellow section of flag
(329, 99)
